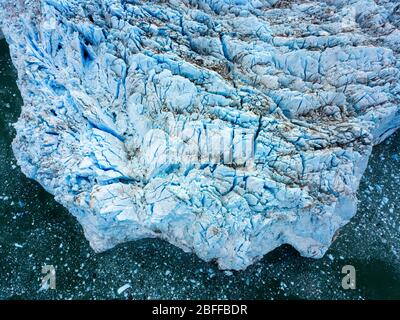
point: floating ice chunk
(227, 128)
(123, 288)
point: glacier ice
(226, 128)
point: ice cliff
(225, 127)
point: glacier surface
(225, 127)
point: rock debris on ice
(225, 127)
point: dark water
(36, 231)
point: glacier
(225, 127)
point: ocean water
(36, 231)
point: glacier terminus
(225, 127)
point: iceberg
(226, 128)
